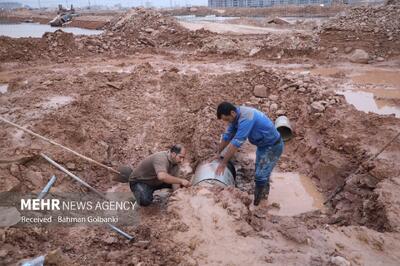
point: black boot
(260, 192)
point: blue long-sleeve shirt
(251, 124)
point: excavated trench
(122, 117)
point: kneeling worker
(156, 171)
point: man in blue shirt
(249, 123)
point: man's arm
(169, 179)
(222, 145)
(241, 135)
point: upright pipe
(46, 189)
(101, 195)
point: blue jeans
(266, 159)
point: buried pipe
(101, 195)
(205, 173)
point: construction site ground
(149, 81)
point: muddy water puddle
(25, 30)
(294, 193)
(372, 89)
(366, 102)
(362, 76)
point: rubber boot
(260, 192)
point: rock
(296, 234)
(115, 85)
(283, 166)
(111, 240)
(273, 98)
(278, 21)
(380, 59)
(71, 166)
(302, 89)
(359, 56)
(273, 107)
(254, 51)
(142, 243)
(280, 112)
(335, 49)
(260, 91)
(14, 170)
(149, 30)
(317, 107)
(348, 50)
(47, 83)
(339, 261)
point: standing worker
(156, 171)
(250, 123)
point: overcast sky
(125, 3)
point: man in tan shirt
(155, 172)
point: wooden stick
(58, 145)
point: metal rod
(47, 188)
(73, 176)
(119, 231)
(358, 170)
(58, 145)
(126, 235)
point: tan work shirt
(146, 171)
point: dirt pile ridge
(376, 29)
(147, 27)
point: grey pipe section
(206, 173)
(46, 189)
(73, 176)
(129, 237)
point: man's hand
(185, 183)
(220, 169)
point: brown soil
(148, 82)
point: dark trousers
(144, 192)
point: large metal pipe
(205, 173)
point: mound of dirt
(375, 29)
(147, 27)
(52, 45)
(274, 46)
